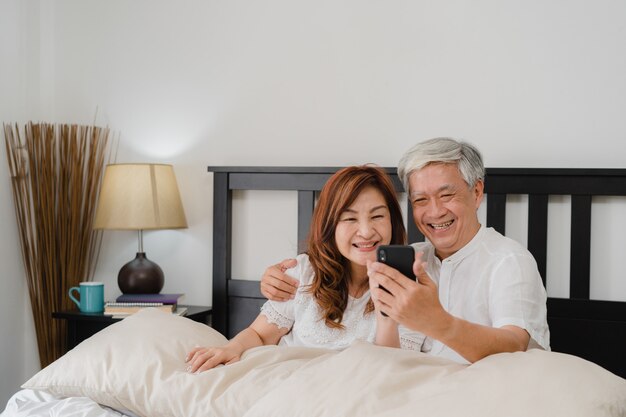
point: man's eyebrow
(444, 187)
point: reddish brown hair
(332, 270)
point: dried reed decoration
(56, 172)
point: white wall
(283, 82)
(19, 90)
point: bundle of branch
(56, 172)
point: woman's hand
(201, 359)
(259, 333)
(386, 327)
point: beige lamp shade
(139, 197)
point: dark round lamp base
(140, 276)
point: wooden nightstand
(80, 326)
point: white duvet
(138, 365)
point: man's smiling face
(444, 206)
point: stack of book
(127, 304)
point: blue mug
(91, 297)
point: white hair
(443, 150)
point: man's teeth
(441, 226)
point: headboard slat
(556, 181)
(222, 240)
(278, 181)
(538, 234)
(412, 232)
(244, 288)
(306, 204)
(580, 247)
(496, 211)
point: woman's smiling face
(444, 207)
(362, 227)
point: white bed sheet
(35, 403)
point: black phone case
(400, 257)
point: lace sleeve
(275, 317)
(411, 340)
(283, 313)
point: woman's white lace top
(304, 317)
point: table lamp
(139, 197)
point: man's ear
(479, 192)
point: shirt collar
(469, 248)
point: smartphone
(400, 257)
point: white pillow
(125, 365)
(138, 365)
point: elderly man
(477, 292)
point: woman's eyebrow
(382, 206)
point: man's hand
(278, 286)
(414, 304)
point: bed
(136, 367)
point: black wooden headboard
(592, 329)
